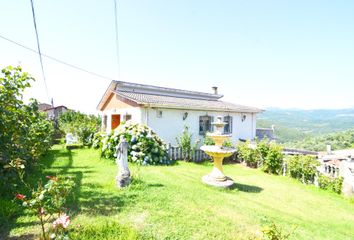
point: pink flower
(63, 220)
(20, 196)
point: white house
(168, 110)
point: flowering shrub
(145, 147)
(49, 200)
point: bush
(331, 184)
(145, 147)
(82, 125)
(26, 134)
(208, 141)
(185, 142)
(302, 167)
(273, 158)
(97, 140)
(248, 154)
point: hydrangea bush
(145, 146)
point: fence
(292, 151)
(176, 153)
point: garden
(59, 192)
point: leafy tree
(26, 134)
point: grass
(170, 202)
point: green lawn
(170, 202)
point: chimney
(329, 149)
(215, 90)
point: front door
(115, 121)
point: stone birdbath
(217, 177)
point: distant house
(53, 113)
(168, 110)
(265, 133)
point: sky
(286, 54)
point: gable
(116, 102)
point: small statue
(123, 177)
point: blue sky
(261, 53)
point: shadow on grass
(246, 188)
(86, 198)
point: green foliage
(26, 134)
(273, 158)
(248, 154)
(82, 125)
(339, 140)
(274, 232)
(185, 142)
(292, 125)
(145, 147)
(208, 141)
(331, 184)
(49, 200)
(302, 167)
(228, 144)
(97, 140)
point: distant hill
(297, 124)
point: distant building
(268, 133)
(339, 163)
(53, 113)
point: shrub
(184, 141)
(145, 147)
(26, 134)
(248, 154)
(274, 232)
(331, 184)
(97, 140)
(302, 167)
(208, 141)
(82, 125)
(228, 144)
(273, 158)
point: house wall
(116, 105)
(171, 124)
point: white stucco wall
(135, 112)
(171, 124)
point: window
(127, 117)
(204, 124)
(228, 126)
(104, 123)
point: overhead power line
(39, 49)
(55, 59)
(116, 30)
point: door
(115, 121)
